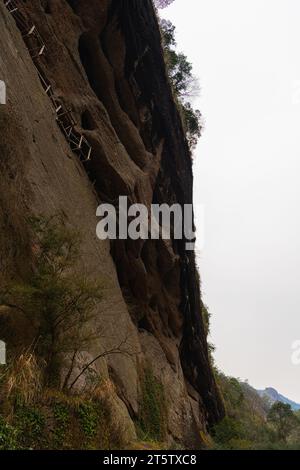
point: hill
(273, 396)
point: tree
(55, 299)
(192, 119)
(227, 430)
(184, 84)
(58, 303)
(163, 3)
(168, 34)
(281, 416)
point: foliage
(61, 415)
(55, 300)
(206, 315)
(233, 394)
(192, 119)
(153, 416)
(185, 86)
(283, 419)
(88, 416)
(30, 423)
(56, 303)
(163, 3)
(60, 421)
(228, 430)
(8, 436)
(249, 424)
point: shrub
(185, 86)
(163, 3)
(281, 416)
(61, 414)
(30, 423)
(8, 436)
(249, 424)
(192, 120)
(153, 415)
(60, 421)
(56, 300)
(88, 417)
(227, 430)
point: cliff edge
(104, 62)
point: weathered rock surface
(105, 62)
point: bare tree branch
(115, 350)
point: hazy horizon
(246, 171)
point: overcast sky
(247, 173)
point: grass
(22, 378)
(58, 421)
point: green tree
(55, 299)
(184, 84)
(281, 416)
(163, 3)
(227, 430)
(193, 124)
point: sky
(246, 169)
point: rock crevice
(106, 62)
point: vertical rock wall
(105, 62)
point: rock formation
(104, 61)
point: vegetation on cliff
(153, 414)
(55, 420)
(47, 308)
(54, 301)
(184, 84)
(38, 408)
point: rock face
(105, 63)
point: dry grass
(103, 390)
(22, 379)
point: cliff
(104, 62)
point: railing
(31, 36)
(78, 143)
(37, 48)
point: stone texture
(105, 61)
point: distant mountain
(273, 396)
